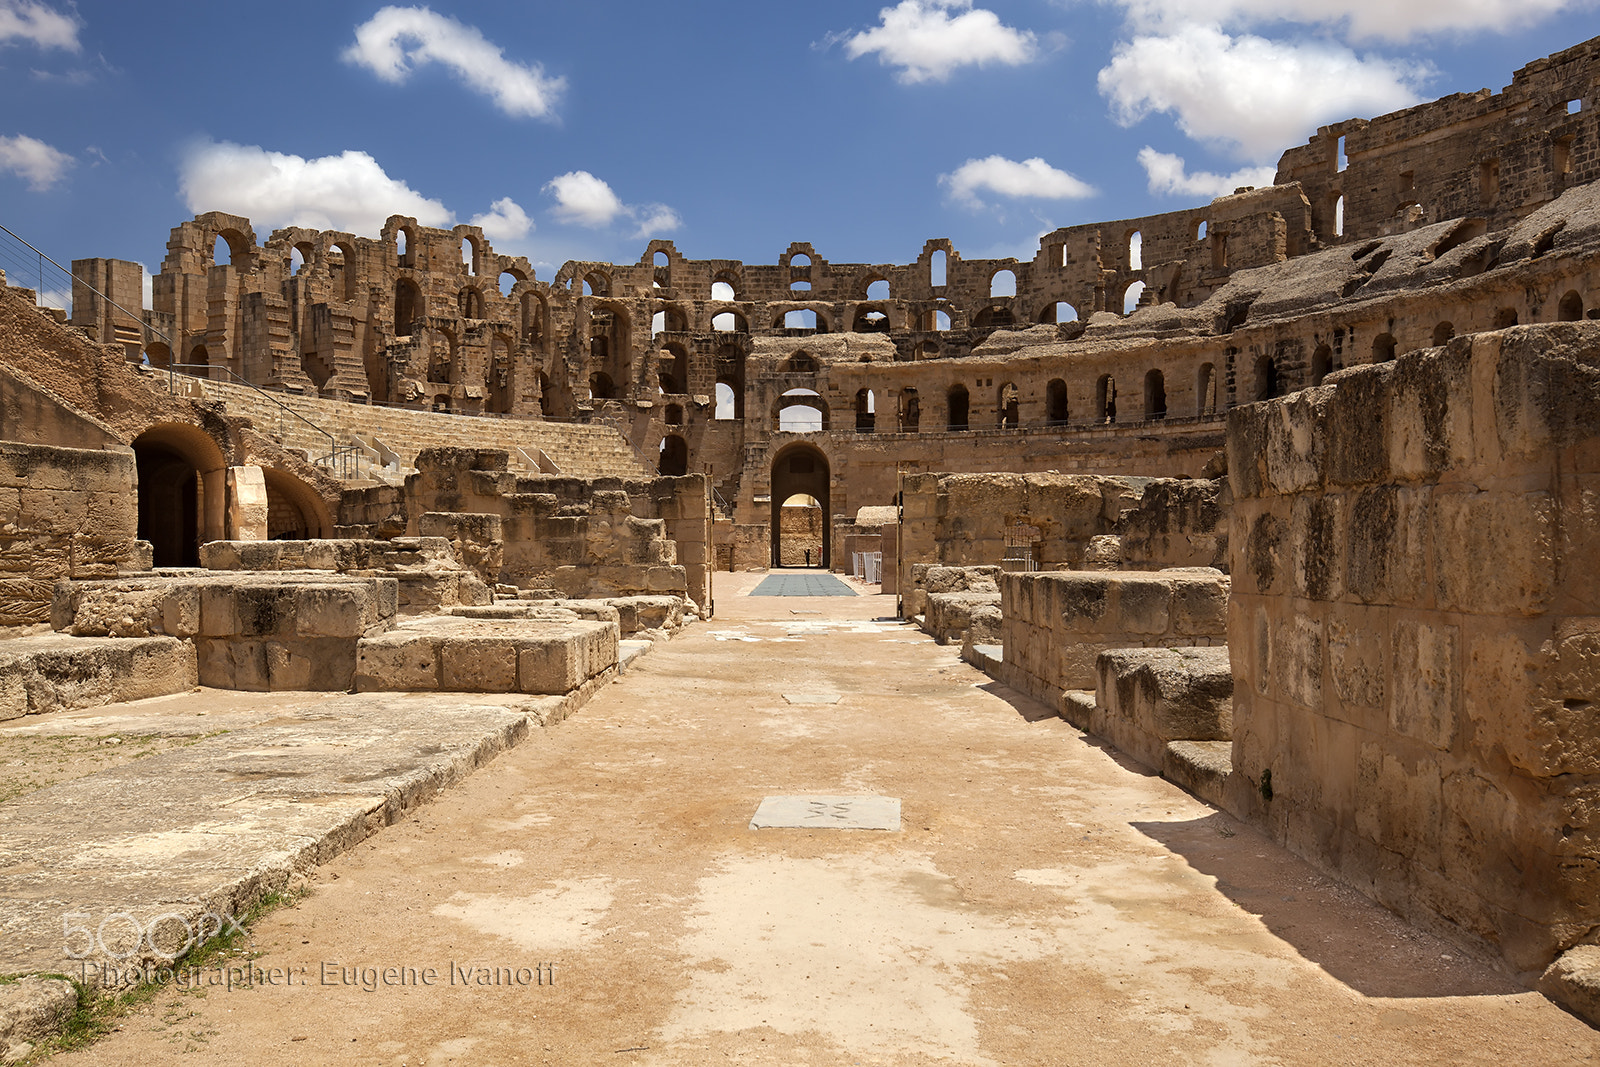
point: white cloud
(1169, 176)
(347, 192)
(585, 200)
(26, 20)
(382, 47)
(33, 160)
(1033, 178)
(927, 39)
(1258, 94)
(1358, 19)
(504, 221)
(655, 220)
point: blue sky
(578, 131)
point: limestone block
(1515, 531)
(1297, 659)
(1266, 554)
(33, 1009)
(647, 613)
(1425, 682)
(478, 664)
(1200, 606)
(561, 658)
(334, 611)
(1387, 545)
(1573, 981)
(1142, 604)
(1431, 427)
(1398, 802)
(397, 662)
(951, 615)
(1357, 639)
(1296, 442)
(247, 504)
(1317, 544)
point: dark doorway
(169, 505)
(801, 471)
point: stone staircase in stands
(394, 436)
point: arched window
(800, 363)
(601, 386)
(1105, 398)
(1338, 215)
(1058, 312)
(1505, 318)
(1199, 231)
(673, 415)
(1010, 414)
(661, 259)
(469, 255)
(1267, 385)
(673, 369)
(800, 272)
(802, 415)
(805, 319)
(1055, 402)
(299, 256)
(1155, 395)
(1002, 283)
(722, 289)
(1205, 390)
(910, 411)
(936, 320)
(674, 462)
(1442, 333)
(730, 322)
(1130, 297)
(1570, 309)
(936, 268)
(508, 282)
(402, 246)
(959, 404)
(408, 307)
(1321, 364)
(866, 411)
(1383, 347)
(878, 290)
(725, 403)
(470, 302)
(1135, 251)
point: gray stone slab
(802, 585)
(835, 813)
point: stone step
(550, 656)
(52, 672)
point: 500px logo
(121, 934)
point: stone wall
(1415, 628)
(1055, 624)
(800, 537)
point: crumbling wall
(1414, 632)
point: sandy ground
(596, 896)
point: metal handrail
(137, 316)
(334, 448)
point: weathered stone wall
(1055, 624)
(64, 512)
(800, 537)
(1414, 632)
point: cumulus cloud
(504, 221)
(1031, 178)
(927, 39)
(398, 39)
(1249, 91)
(1359, 19)
(40, 165)
(1169, 176)
(349, 192)
(26, 20)
(585, 200)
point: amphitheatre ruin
(1291, 499)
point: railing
(340, 458)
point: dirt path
(1042, 903)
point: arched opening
(299, 256)
(1058, 312)
(408, 307)
(172, 464)
(801, 411)
(470, 303)
(870, 319)
(601, 386)
(596, 283)
(1055, 402)
(547, 404)
(402, 246)
(1570, 309)
(723, 288)
(800, 272)
(294, 511)
(866, 411)
(1007, 403)
(937, 321)
(1205, 390)
(800, 480)
(674, 462)
(507, 282)
(341, 263)
(1105, 399)
(1199, 230)
(726, 403)
(910, 411)
(469, 255)
(993, 317)
(1002, 283)
(1383, 348)
(1442, 333)
(1321, 364)
(799, 363)
(1267, 385)
(936, 268)
(730, 375)
(958, 403)
(442, 359)
(1338, 215)
(500, 377)
(673, 415)
(673, 369)
(1135, 251)
(878, 290)
(1505, 318)
(730, 322)
(1155, 395)
(1131, 296)
(804, 319)
(928, 350)
(533, 318)
(199, 362)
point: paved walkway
(597, 896)
(801, 584)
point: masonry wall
(1415, 632)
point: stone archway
(178, 467)
(800, 470)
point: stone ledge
(452, 654)
(1573, 981)
(51, 672)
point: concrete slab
(832, 813)
(802, 585)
